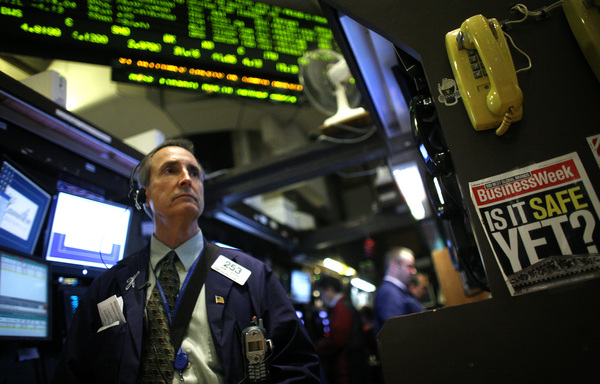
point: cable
(521, 52)
(104, 236)
(522, 8)
(506, 122)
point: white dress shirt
(197, 342)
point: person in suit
(393, 297)
(343, 352)
(238, 288)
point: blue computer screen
(24, 297)
(23, 208)
(87, 232)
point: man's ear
(147, 209)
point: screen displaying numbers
(238, 47)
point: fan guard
(328, 85)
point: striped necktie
(157, 351)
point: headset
(138, 195)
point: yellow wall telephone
(485, 74)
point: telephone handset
(485, 74)
(584, 18)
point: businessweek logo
(546, 209)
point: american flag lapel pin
(219, 300)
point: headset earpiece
(138, 195)
(140, 198)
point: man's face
(327, 295)
(406, 268)
(175, 188)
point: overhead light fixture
(334, 265)
(409, 181)
(362, 285)
(338, 267)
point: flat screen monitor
(86, 233)
(24, 297)
(23, 208)
(300, 287)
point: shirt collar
(335, 299)
(187, 252)
(396, 282)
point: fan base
(356, 117)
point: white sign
(231, 270)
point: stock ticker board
(231, 47)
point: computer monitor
(23, 208)
(24, 297)
(300, 287)
(85, 233)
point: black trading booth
(541, 323)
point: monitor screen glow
(24, 297)
(300, 287)
(87, 232)
(23, 208)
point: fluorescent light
(408, 179)
(339, 267)
(438, 189)
(362, 284)
(334, 265)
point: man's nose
(185, 180)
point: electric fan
(327, 83)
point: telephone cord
(521, 52)
(522, 8)
(506, 122)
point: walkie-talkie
(257, 349)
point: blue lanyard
(183, 286)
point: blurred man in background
(393, 297)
